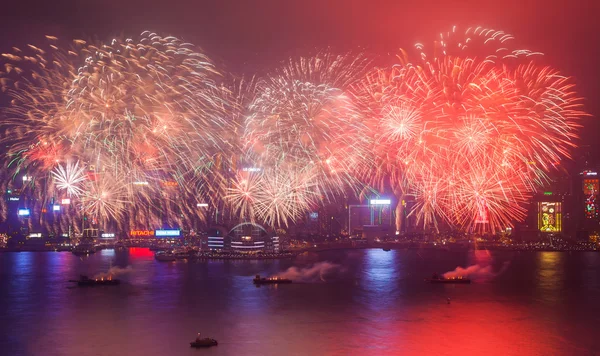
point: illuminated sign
(23, 212)
(169, 183)
(35, 234)
(65, 201)
(140, 183)
(55, 207)
(549, 217)
(380, 202)
(590, 173)
(547, 193)
(107, 235)
(202, 205)
(65, 235)
(590, 189)
(141, 233)
(168, 233)
(251, 169)
(13, 198)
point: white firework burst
(69, 177)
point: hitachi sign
(141, 233)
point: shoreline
(296, 252)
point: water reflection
(379, 305)
(550, 276)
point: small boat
(452, 280)
(206, 342)
(387, 249)
(84, 249)
(165, 256)
(120, 246)
(271, 280)
(85, 281)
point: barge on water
(85, 281)
(270, 280)
(451, 280)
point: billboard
(141, 233)
(168, 233)
(590, 190)
(380, 202)
(23, 212)
(590, 186)
(549, 217)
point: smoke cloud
(481, 271)
(317, 272)
(113, 272)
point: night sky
(247, 36)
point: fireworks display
(137, 132)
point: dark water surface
(375, 303)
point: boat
(85, 281)
(164, 256)
(181, 254)
(83, 249)
(206, 342)
(270, 280)
(387, 249)
(452, 280)
(156, 248)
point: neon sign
(380, 202)
(13, 198)
(590, 189)
(23, 212)
(549, 216)
(107, 235)
(141, 233)
(168, 233)
(35, 234)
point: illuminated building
(590, 192)
(252, 238)
(588, 209)
(550, 217)
(217, 238)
